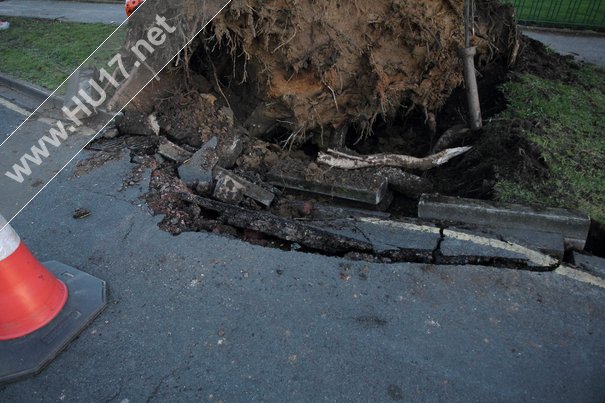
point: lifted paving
(410, 241)
(201, 316)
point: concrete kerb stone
(31, 90)
(54, 101)
(573, 226)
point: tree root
(342, 160)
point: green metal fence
(585, 14)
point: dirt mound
(537, 59)
(317, 65)
(193, 118)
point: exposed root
(342, 160)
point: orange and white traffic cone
(42, 307)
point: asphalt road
(204, 317)
(9, 120)
(589, 48)
(112, 13)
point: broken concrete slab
(356, 186)
(572, 225)
(218, 151)
(548, 243)
(228, 190)
(464, 248)
(230, 183)
(198, 169)
(593, 264)
(171, 151)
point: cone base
(28, 355)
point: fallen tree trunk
(342, 160)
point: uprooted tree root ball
(306, 67)
(321, 65)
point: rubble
(198, 169)
(231, 188)
(228, 189)
(222, 152)
(174, 153)
(139, 124)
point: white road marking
(579, 275)
(15, 108)
(536, 258)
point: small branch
(341, 160)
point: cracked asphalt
(203, 317)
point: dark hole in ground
(596, 239)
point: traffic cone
(42, 307)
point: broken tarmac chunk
(398, 240)
(171, 151)
(572, 225)
(465, 248)
(230, 188)
(355, 185)
(549, 243)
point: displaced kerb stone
(572, 225)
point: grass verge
(569, 131)
(46, 52)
